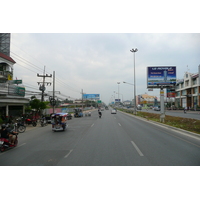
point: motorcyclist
(4, 132)
(8, 133)
(100, 114)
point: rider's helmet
(3, 126)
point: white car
(113, 111)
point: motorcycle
(31, 121)
(43, 122)
(19, 126)
(4, 143)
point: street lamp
(122, 96)
(118, 91)
(129, 84)
(133, 51)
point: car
(113, 111)
(69, 116)
(48, 119)
(157, 108)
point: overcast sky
(96, 62)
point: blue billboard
(91, 96)
(161, 76)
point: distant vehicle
(78, 112)
(139, 107)
(48, 119)
(113, 111)
(59, 121)
(69, 116)
(106, 107)
(157, 108)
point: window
(194, 81)
(183, 92)
(195, 90)
(186, 83)
(177, 94)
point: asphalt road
(114, 140)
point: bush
(188, 124)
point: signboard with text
(161, 76)
(91, 96)
(171, 93)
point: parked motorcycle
(31, 121)
(5, 145)
(19, 126)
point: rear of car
(113, 111)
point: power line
(58, 81)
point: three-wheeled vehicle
(59, 121)
(78, 112)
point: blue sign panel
(117, 100)
(91, 96)
(157, 76)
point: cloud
(96, 62)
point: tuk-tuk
(59, 121)
(78, 112)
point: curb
(165, 125)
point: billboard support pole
(162, 107)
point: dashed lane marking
(137, 149)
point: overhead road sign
(91, 96)
(161, 76)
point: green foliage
(188, 124)
(37, 104)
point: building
(188, 91)
(12, 101)
(5, 43)
(146, 99)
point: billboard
(91, 96)
(117, 100)
(171, 93)
(161, 76)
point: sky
(87, 43)
(96, 62)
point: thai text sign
(91, 96)
(161, 76)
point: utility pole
(82, 99)
(54, 91)
(42, 84)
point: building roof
(145, 96)
(7, 57)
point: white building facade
(188, 91)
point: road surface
(114, 140)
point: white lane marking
(137, 149)
(68, 153)
(92, 125)
(178, 130)
(119, 124)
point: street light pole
(133, 51)
(133, 91)
(118, 92)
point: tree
(37, 104)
